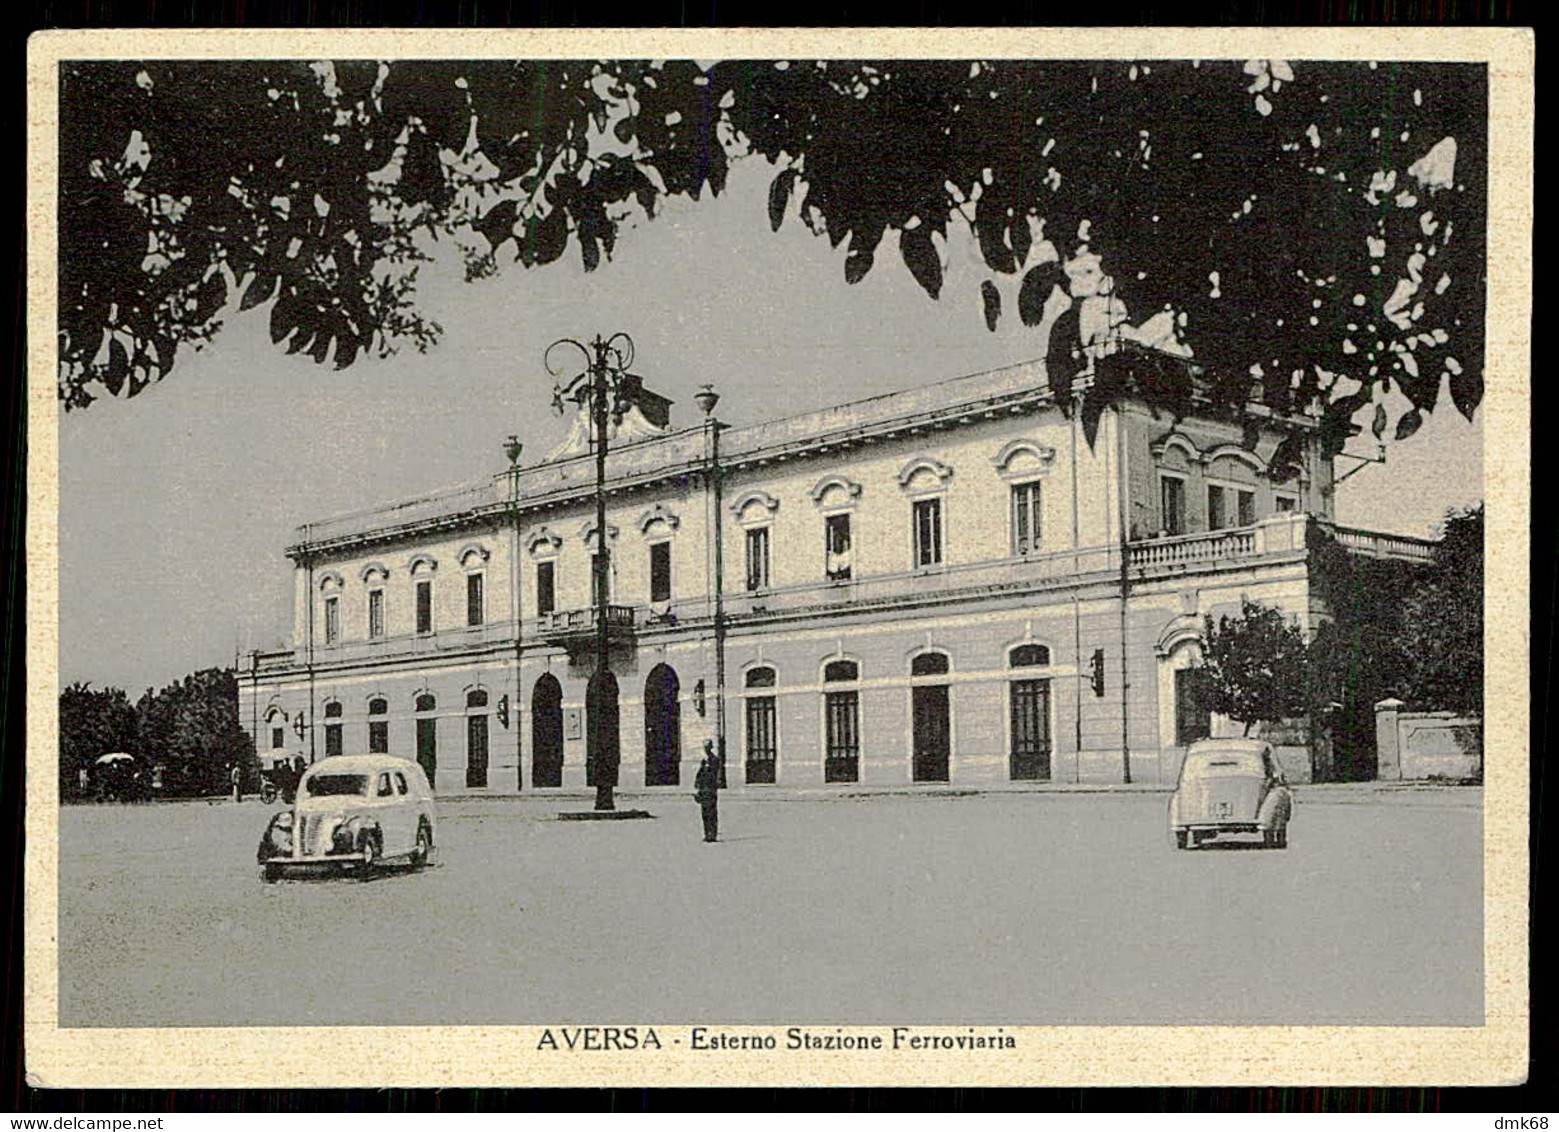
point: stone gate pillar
(1388, 741)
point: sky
(175, 506)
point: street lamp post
(707, 399)
(512, 448)
(602, 382)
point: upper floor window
(1283, 504)
(425, 607)
(475, 609)
(1172, 504)
(1229, 507)
(836, 547)
(660, 571)
(600, 572)
(546, 587)
(1025, 518)
(278, 738)
(376, 613)
(928, 532)
(757, 558)
(332, 620)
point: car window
(400, 782)
(1209, 764)
(332, 785)
(384, 785)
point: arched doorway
(427, 735)
(602, 739)
(546, 731)
(662, 727)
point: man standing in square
(706, 792)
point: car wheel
(424, 849)
(370, 851)
(1179, 839)
(270, 874)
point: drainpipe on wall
(308, 559)
(1077, 609)
(1123, 490)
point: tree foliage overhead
(1321, 221)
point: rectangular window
(1030, 730)
(1247, 506)
(379, 738)
(278, 738)
(1025, 518)
(332, 739)
(474, 610)
(843, 760)
(332, 620)
(376, 613)
(424, 607)
(1193, 720)
(1217, 509)
(546, 587)
(762, 734)
(597, 573)
(1283, 504)
(757, 558)
(1172, 504)
(660, 572)
(928, 532)
(836, 547)
(476, 750)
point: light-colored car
(1230, 786)
(353, 811)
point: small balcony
(576, 628)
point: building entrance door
(662, 728)
(427, 747)
(1030, 740)
(932, 733)
(546, 731)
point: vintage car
(1230, 786)
(354, 812)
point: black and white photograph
(817, 559)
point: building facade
(944, 586)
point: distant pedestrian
(84, 781)
(236, 777)
(706, 791)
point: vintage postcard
(778, 558)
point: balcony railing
(1212, 546)
(1377, 545)
(578, 626)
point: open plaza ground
(1033, 908)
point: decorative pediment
(1023, 457)
(1181, 630)
(423, 564)
(473, 556)
(658, 514)
(754, 506)
(374, 572)
(588, 529)
(1235, 452)
(835, 491)
(331, 580)
(1176, 441)
(924, 473)
(544, 535)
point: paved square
(997, 909)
